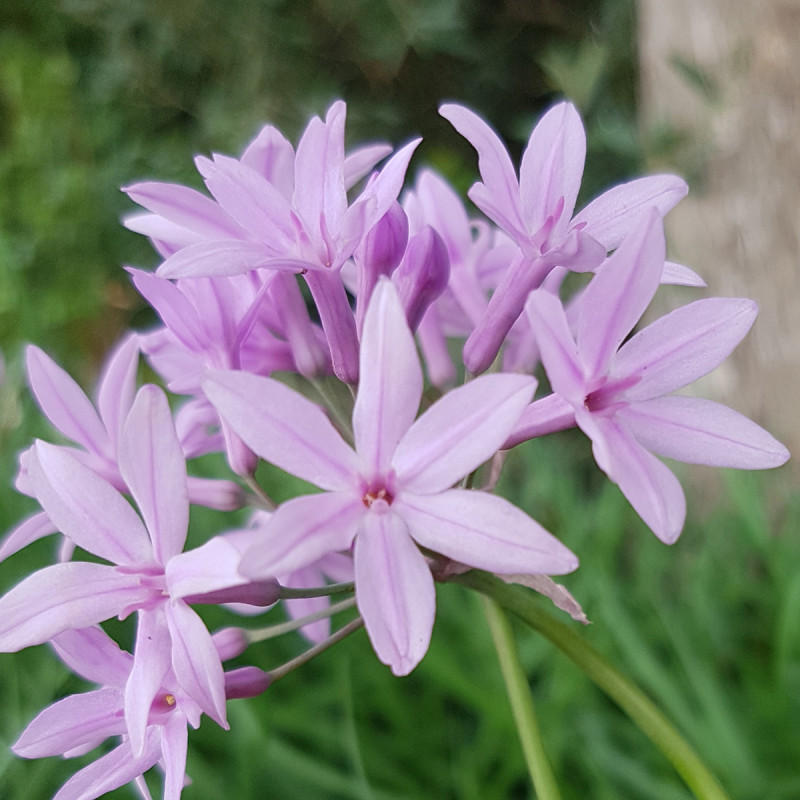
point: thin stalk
(632, 700)
(272, 631)
(262, 499)
(314, 651)
(521, 700)
(288, 593)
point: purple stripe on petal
(283, 427)
(394, 591)
(484, 531)
(64, 597)
(700, 431)
(684, 345)
(390, 386)
(302, 531)
(76, 720)
(87, 508)
(152, 463)
(466, 427)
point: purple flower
(616, 392)
(392, 493)
(536, 211)
(148, 573)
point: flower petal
(619, 293)
(558, 350)
(65, 404)
(394, 591)
(484, 531)
(546, 415)
(283, 427)
(684, 345)
(700, 431)
(610, 217)
(552, 166)
(390, 384)
(151, 662)
(460, 431)
(650, 487)
(94, 655)
(494, 163)
(174, 748)
(76, 720)
(87, 508)
(220, 258)
(152, 463)
(117, 385)
(112, 770)
(302, 531)
(29, 530)
(196, 661)
(64, 597)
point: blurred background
(95, 94)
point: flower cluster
(295, 302)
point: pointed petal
(87, 508)
(612, 216)
(220, 259)
(29, 530)
(680, 275)
(552, 166)
(394, 591)
(64, 597)
(65, 404)
(151, 662)
(547, 415)
(76, 720)
(152, 463)
(117, 385)
(210, 567)
(184, 207)
(196, 661)
(359, 162)
(702, 432)
(684, 345)
(272, 156)
(283, 427)
(251, 200)
(494, 163)
(460, 431)
(390, 384)
(319, 192)
(484, 531)
(174, 748)
(302, 531)
(619, 293)
(174, 308)
(650, 487)
(94, 655)
(112, 770)
(558, 351)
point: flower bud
(246, 682)
(423, 274)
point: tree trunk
(724, 75)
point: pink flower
(616, 392)
(392, 494)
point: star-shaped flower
(392, 495)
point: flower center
(374, 495)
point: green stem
(626, 694)
(519, 695)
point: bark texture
(724, 77)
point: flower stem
(314, 651)
(262, 634)
(519, 695)
(625, 693)
(288, 593)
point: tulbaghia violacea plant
(406, 473)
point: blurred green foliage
(95, 94)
